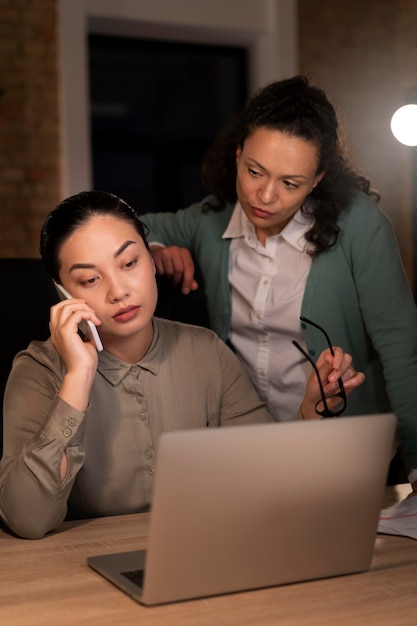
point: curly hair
(296, 108)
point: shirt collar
(236, 226)
(114, 370)
(293, 233)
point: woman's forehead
(101, 233)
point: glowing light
(404, 124)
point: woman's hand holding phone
(86, 327)
(80, 357)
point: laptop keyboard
(136, 576)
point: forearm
(32, 502)
(174, 228)
(33, 494)
(76, 387)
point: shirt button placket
(142, 416)
(140, 401)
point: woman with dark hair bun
(81, 425)
(291, 230)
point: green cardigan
(357, 291)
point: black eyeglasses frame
(326, 412)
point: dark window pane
(155, 107)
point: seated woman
(81, 427)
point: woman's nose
(117, 293)
(268, 192)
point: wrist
(75, 389)
(308, 411)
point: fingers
(331, 369)
(64, 320)
(176, 263)
(73, 311)
(353, 380)
(188, 281)
(338, 366)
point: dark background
(155, 107)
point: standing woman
(290, 230)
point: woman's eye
(131, 264)
(253, 172)
(88, 282)
(290, 185)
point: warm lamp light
(404, 129)
(404, 124)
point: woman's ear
(152, 259)
(318, 178)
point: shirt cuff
(64, 423)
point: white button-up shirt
(267, 287)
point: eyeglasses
(322, 408)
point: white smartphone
(86, 327)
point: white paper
(400, 519)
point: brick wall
(29, 125)
(363, 52)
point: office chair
(28, 294)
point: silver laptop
(246, 507)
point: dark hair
(76, 211)
(296, 108)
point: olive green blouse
(188, 379)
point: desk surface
(47, 581)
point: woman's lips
(261, 212)
(126, 314)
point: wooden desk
(48, 582)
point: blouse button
(142, 416)
(150, 471)
(148, 454)
(67, 432)
(72, 421)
